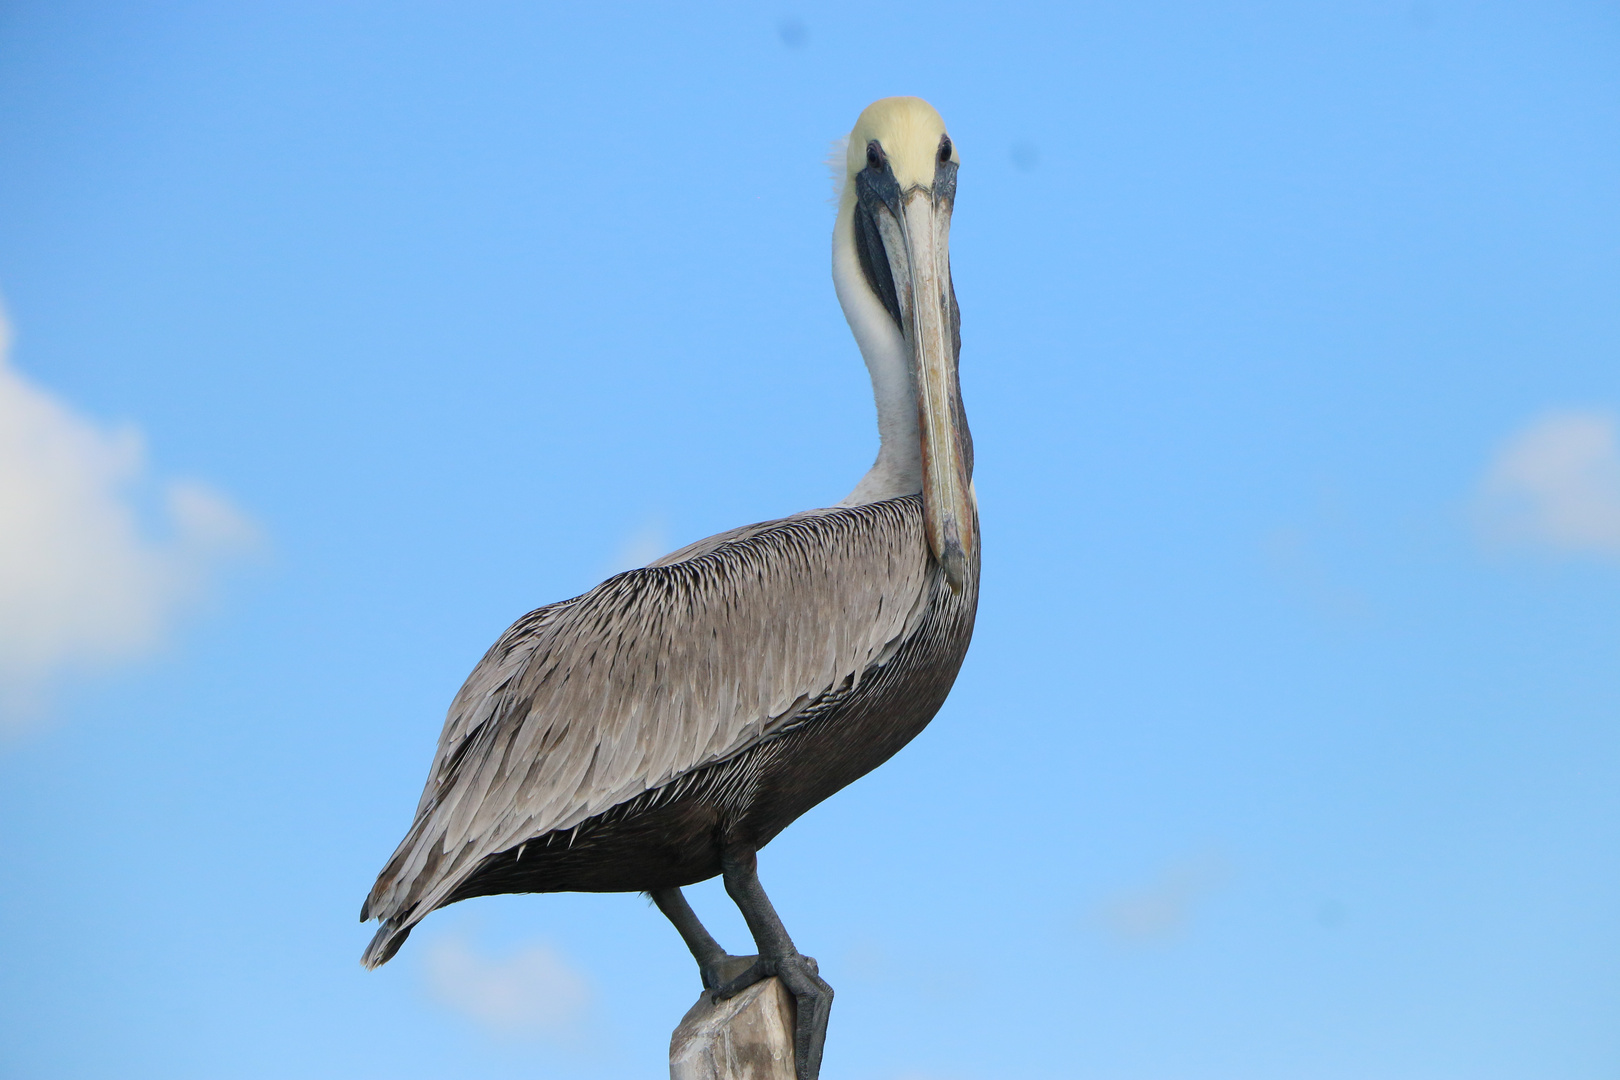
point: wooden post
(748, 1037)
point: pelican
(663, 727)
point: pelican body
(663, 727)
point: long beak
(928, 311)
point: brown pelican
(666, 725)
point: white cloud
(533, 991)
(1163, 909)
(1556, 485)
(82, 582)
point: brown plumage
(663, 727)
(616, 741)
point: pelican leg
(812, 997)
(715, 965)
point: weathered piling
(748, 1037)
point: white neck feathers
(898, 469)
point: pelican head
(892, 270)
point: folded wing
(585, 704)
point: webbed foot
(725, 970)
(812, 1001)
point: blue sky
(346, 333)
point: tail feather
(390, 936)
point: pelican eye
(874, 155)
(944, 149)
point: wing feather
(585, 704)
